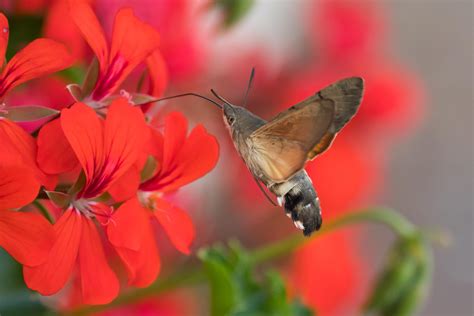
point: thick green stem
(192, 275)
(390, 218)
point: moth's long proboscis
(189, 94)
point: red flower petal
(132, 41)
(158, 77)
(17, 146)
(158, 73)
(176, 127)
(27, 237)
(4, 32)
(132, 236)
(51, 276)
(55, 155)
(167, 148)
(18, 186)
(103, 212)
(184, 160)
(126, 229)
(176, 223)
(126, 134)
(59, 26)
(89, 25)
(143, 266)
(198, 156)
(84, 132)
(155, 146)
(98, 282)
(40, 57)
(126, 186)
(105, 152)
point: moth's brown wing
(282, 146)
(347, 95)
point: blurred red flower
(329, 274)
(170, 304)
(344, 30)
(184, 43)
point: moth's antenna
(219, 97)
(249, 86)
(187, 94)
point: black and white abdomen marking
(300, 201)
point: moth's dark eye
(231, 120)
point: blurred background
(410, 147)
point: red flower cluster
(103, 167)
(108, 172)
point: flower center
(83, 206)
(91, 209)
(147, 199)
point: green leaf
(148, 169)
(74, 73)
(234, 10)
(76, 91)
(237, 289)
(29, 113)
(222, 288)
(141, 98)
(78, 185)
(15, 298)
(403, 283)
(23, 29)
(60, 199)
(90, 78)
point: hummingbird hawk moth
(276, 151)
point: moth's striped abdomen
(300, 201)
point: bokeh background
(410, 147)
(429, 173)
(430, 178)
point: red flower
(106, 150)
(26, 236)
(132, 42)
(184, 41)
(59, 26)
(346, 30)
(329, 274)
(169, 304)
(180, 160)
(40, 57)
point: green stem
(44, 211)
(192, 275)
(400, 225)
